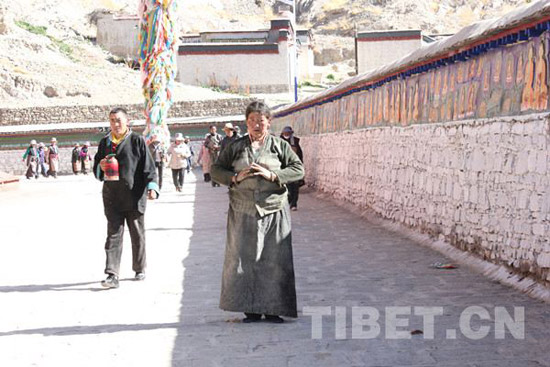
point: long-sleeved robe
(258, 273)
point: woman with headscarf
(75, 158)
(204, 161)
(53, 158)
(31, 159)
(85, 158)
(258, 272)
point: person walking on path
(126, 189)
(258, 271)
(293, 187)
(186, 140)
(31, 159)
(230, 136)
(42, 160)
(212, 142)
(75, 158)
(53, 158)
(204, 161)
(85, 158)
(178, 152)
(157, 152)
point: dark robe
(258, 272)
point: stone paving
(55, 313)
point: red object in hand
(111, 168)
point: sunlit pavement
(54, 311)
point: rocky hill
(48, 55)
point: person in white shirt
(178, 153)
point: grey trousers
(115, 232)
(177, 176)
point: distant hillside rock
(5, 20)
(51, 43)
(330, 55)
(342, 17)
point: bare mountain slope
(47, 53)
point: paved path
(55, 313)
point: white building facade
(119, 35)
(249, 61)
(262, 61)
(378, 48)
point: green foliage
(40, 30)
(64, 48)
(330, 77)
(307, 83)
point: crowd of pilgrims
(42, 160)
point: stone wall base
(91, 113)
(481, 185)
(11, 161)
(8, 182)
(500, 273)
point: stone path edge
(499, 273)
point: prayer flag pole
(158, 64)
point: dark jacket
(136, 172)
(227, 140)
(75, 155)
(295, 145)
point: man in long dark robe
(258, 273)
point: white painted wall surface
(254, 70)
(234, 37)
(305, 63)
(120, 37)
(482, 185)
(372, 55)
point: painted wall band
(509, 37)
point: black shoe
(139, 276)
(252, 317)
(274, 319)
(110, 282)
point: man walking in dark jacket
(293, 187)
(125, 193)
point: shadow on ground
(343, 261)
